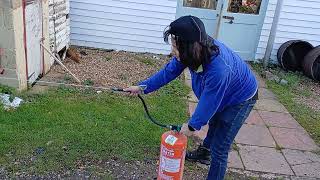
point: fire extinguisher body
(172, 156)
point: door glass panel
(244, 6)
(204, 4)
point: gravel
(108, 68)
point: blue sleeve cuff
(143, 85)
(195, 126)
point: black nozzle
(117, 89)
(175, 128)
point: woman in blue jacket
(222, 81)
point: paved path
(270, 141)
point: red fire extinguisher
(172, 156)
(173, 148)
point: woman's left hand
(185, 130)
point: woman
(222, 81)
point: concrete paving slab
(234, 160)
(255, 135)
(266, 94)
(296, 157)
(264, 159)
(309, 170)
(254, 119)
(270, 105)
(277, 119)
(192, 107)
(293, 139)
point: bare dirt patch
(108, 68)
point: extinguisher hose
(148, 114)
(171, 127)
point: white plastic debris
(156, 57)
(7, 104)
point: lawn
(300, 96)
(53, 130)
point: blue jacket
(225, 81)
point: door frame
(221, 5)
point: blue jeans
(223, 128)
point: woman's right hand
(134, 90)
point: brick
(264, 159)
(255, 135)
(270, 105)
(254, 119)
(277, 119)
(293, 139)
(234, 160)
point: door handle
(231, 18)
(228, 17)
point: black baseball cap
(189, 28)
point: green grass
(88, 82)
(307, 117)
(53, 130)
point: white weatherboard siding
(59, 24)
(299, 19)
(130, 25)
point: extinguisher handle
(176, 128)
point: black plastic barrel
(291, 54)
(311, 64)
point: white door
(241, 24)
(33, 18)
(207, 10)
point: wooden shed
(24, 24)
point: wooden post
(272, 34)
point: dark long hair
(194, 54)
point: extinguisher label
(171, 140)
(170, 165)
